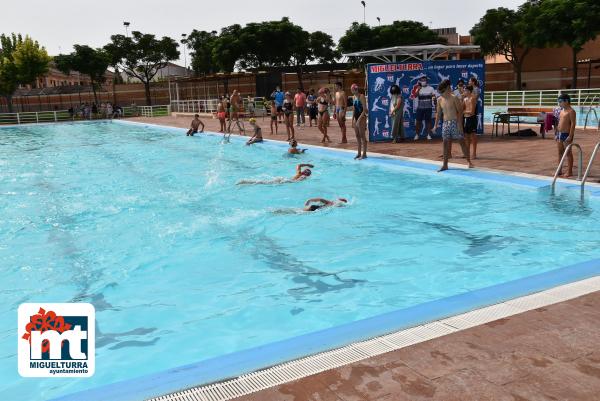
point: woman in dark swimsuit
(288, 115)
(323, 108)
(359, 121)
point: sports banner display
(409, 77)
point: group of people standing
(321, 106)
(318, 106)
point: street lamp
(126, 25)
(184, 42)
(379, 21)
(364, 11)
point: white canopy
(419, 52)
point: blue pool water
(182, 264)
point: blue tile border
(237, 363)
(245, 361)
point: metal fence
(64, 115)
(155, 111)
(257, 106)
(579, 97)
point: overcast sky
(58, 25)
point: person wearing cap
(301, 174)
(313, 205)
(196, 123)
(565, 132)
(319, 203)
(460, 89)
(257, 137)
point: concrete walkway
(550, 353)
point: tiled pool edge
(442, 311)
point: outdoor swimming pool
(183, 265)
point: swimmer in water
(312, 205)
(301, 175)
(319, 203)
(294, 148)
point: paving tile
(556, 383)
(466, 385)
(307, 389)
(365, 382)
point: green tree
(502, 31)
(399, 33)
(88, 61)
(201, 44)
(564, 22)
(282, 43)
(143, 55)
(227, 48)
(22, 61)
(310, 47)
(115, 55)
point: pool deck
(532, 155)
(550, 353)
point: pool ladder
(579, 164)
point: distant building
(170, 71)
(55, 78)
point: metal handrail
(587, 115)
(589, 167)
(562, 161)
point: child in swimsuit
(294, 148)
(257, 137)
(221, 115)
(273, 108)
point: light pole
(184, 43)
(126, 25)
(364, 11)
(378, 21)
